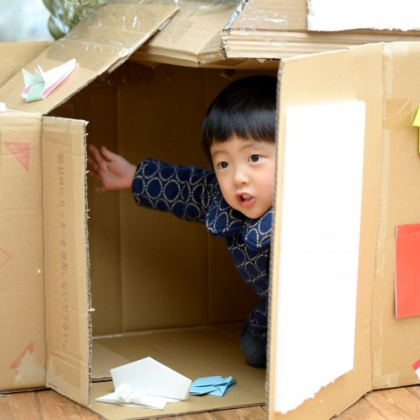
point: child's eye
(222, 165)
(255, 158)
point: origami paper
(147, 383)
(416, 123)
(41, 83)
(212, 385)
(127, 396)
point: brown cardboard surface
(15, 55)
(103, 40)
(194, 353)
(66, 257)
(260, 27)
(395, 342)
(192, 38)
(346, 75)
(22, 306)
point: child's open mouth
(246, 199)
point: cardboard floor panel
(194, 353)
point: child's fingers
(107, 154)
(94, 157)
(93, 149)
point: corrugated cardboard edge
(192, 38)
(255, 31)
(87, 279)
(68, 300)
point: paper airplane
(147, 383)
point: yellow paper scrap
(416, 123)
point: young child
(234, 200)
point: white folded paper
(147, 383)
(126, 395)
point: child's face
(245, 171)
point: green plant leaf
(54, 29)
(48, 5)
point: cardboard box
(87, 281)
(248, 32)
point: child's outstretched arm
(110, 169)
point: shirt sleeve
(184, 191)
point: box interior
(160, 286)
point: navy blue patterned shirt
(194, 194)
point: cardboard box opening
(160, 286)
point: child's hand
(112, 170)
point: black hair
(246, 109)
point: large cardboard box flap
(100, 43)
(383, 348)
(67, 300)
(192, 37)
(21, 252)
(41, 159)
(279, 28)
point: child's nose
(241, 177)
